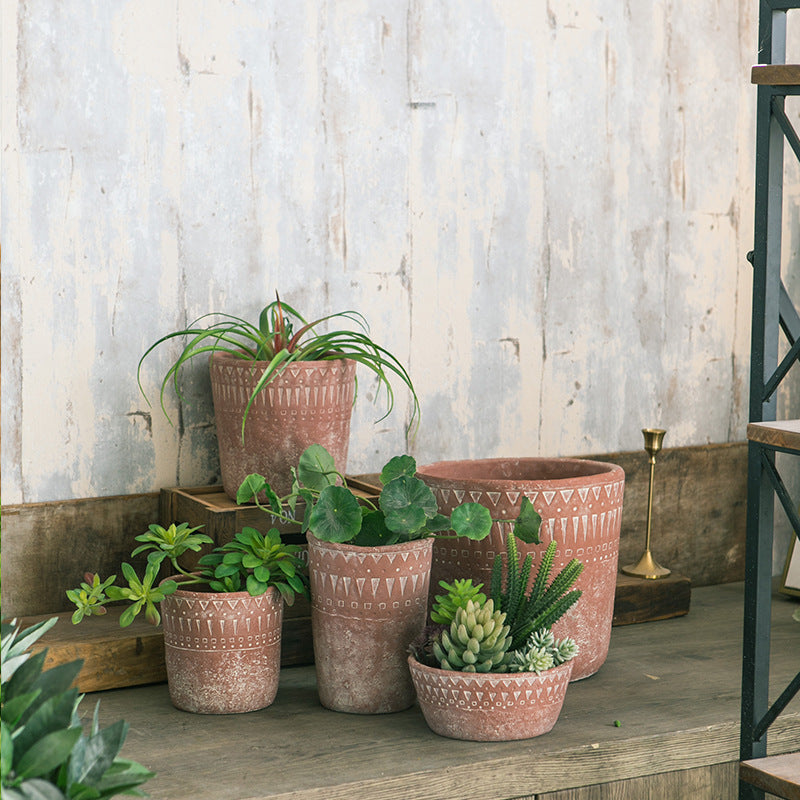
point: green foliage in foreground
(46, 755)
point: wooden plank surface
(776, 74)
(673, 685)
(785, 433)
(779, 775)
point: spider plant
(282, 337)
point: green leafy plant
(406, 509)
(251, 562)
(281, 337)
(541, 652)
(458, 594)
(46, 755)
(545, 604)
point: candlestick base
(646, 567)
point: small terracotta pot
(580, 502)
(310, 402)
(367, 605)
(223, 650)
(490, 707)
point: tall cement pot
(580, 503)
(310, 402)
(367, 605)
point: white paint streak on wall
(543, 208)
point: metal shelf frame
(773, 314)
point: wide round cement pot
(580, 502)
(222, 650)
(310, 402)
(490, 707)
(367, 605)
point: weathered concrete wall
(542, 208)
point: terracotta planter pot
(581, 507)
(490, 707)
(367, 605)
(310, 402)
(223, 650)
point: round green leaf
(471, 520)
(405, 520)
(399, 465)
(316, 469)
(407, 491)
(526, 526)
(336, 516)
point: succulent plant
(459, 592)
(541, 652)
(477, 641)
(527, 612)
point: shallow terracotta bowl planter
(367, 605)
(490, 707)
(580, 502)
(310, 402)
(222, 650)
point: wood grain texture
(674, 686)
(779, 775)
(640, 600)
(776, 74)
(784, 434)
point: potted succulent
(222, 621)
(490, 669)
(281, 385)
(369, 568)
(46, 752)
(580, 503)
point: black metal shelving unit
(773, 315)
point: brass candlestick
(647, 566)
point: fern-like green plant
(545, 604)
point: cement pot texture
(490, 707)
(310, 402)
(580, 502)
(367, 605)
(222, 650)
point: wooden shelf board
(775, 74)
(778, 775)
(785, 433)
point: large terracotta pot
(310, 402)
(580, 502)
(367, 605)
(223, 650)
(490, 707)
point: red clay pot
(490, 707)
(580, 503)
(223, 650)
(367, 605)
(310, 402)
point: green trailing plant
(46, 755)
(251, 561)
(458, 593)
(406, 508)
(477, 641)
(281, 337)
(545, 604)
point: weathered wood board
(640, 600)
(777, 774)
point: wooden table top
(673, 685)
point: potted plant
(222, 621)
(580, 503)
(46, 752)
(281, 385)
(369, 567)
(490, 669)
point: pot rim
(243, 595)
(487, 677)
(453, 472)
(224, 355)
(346, 547)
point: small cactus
(478, 640)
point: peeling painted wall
(542, 208)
